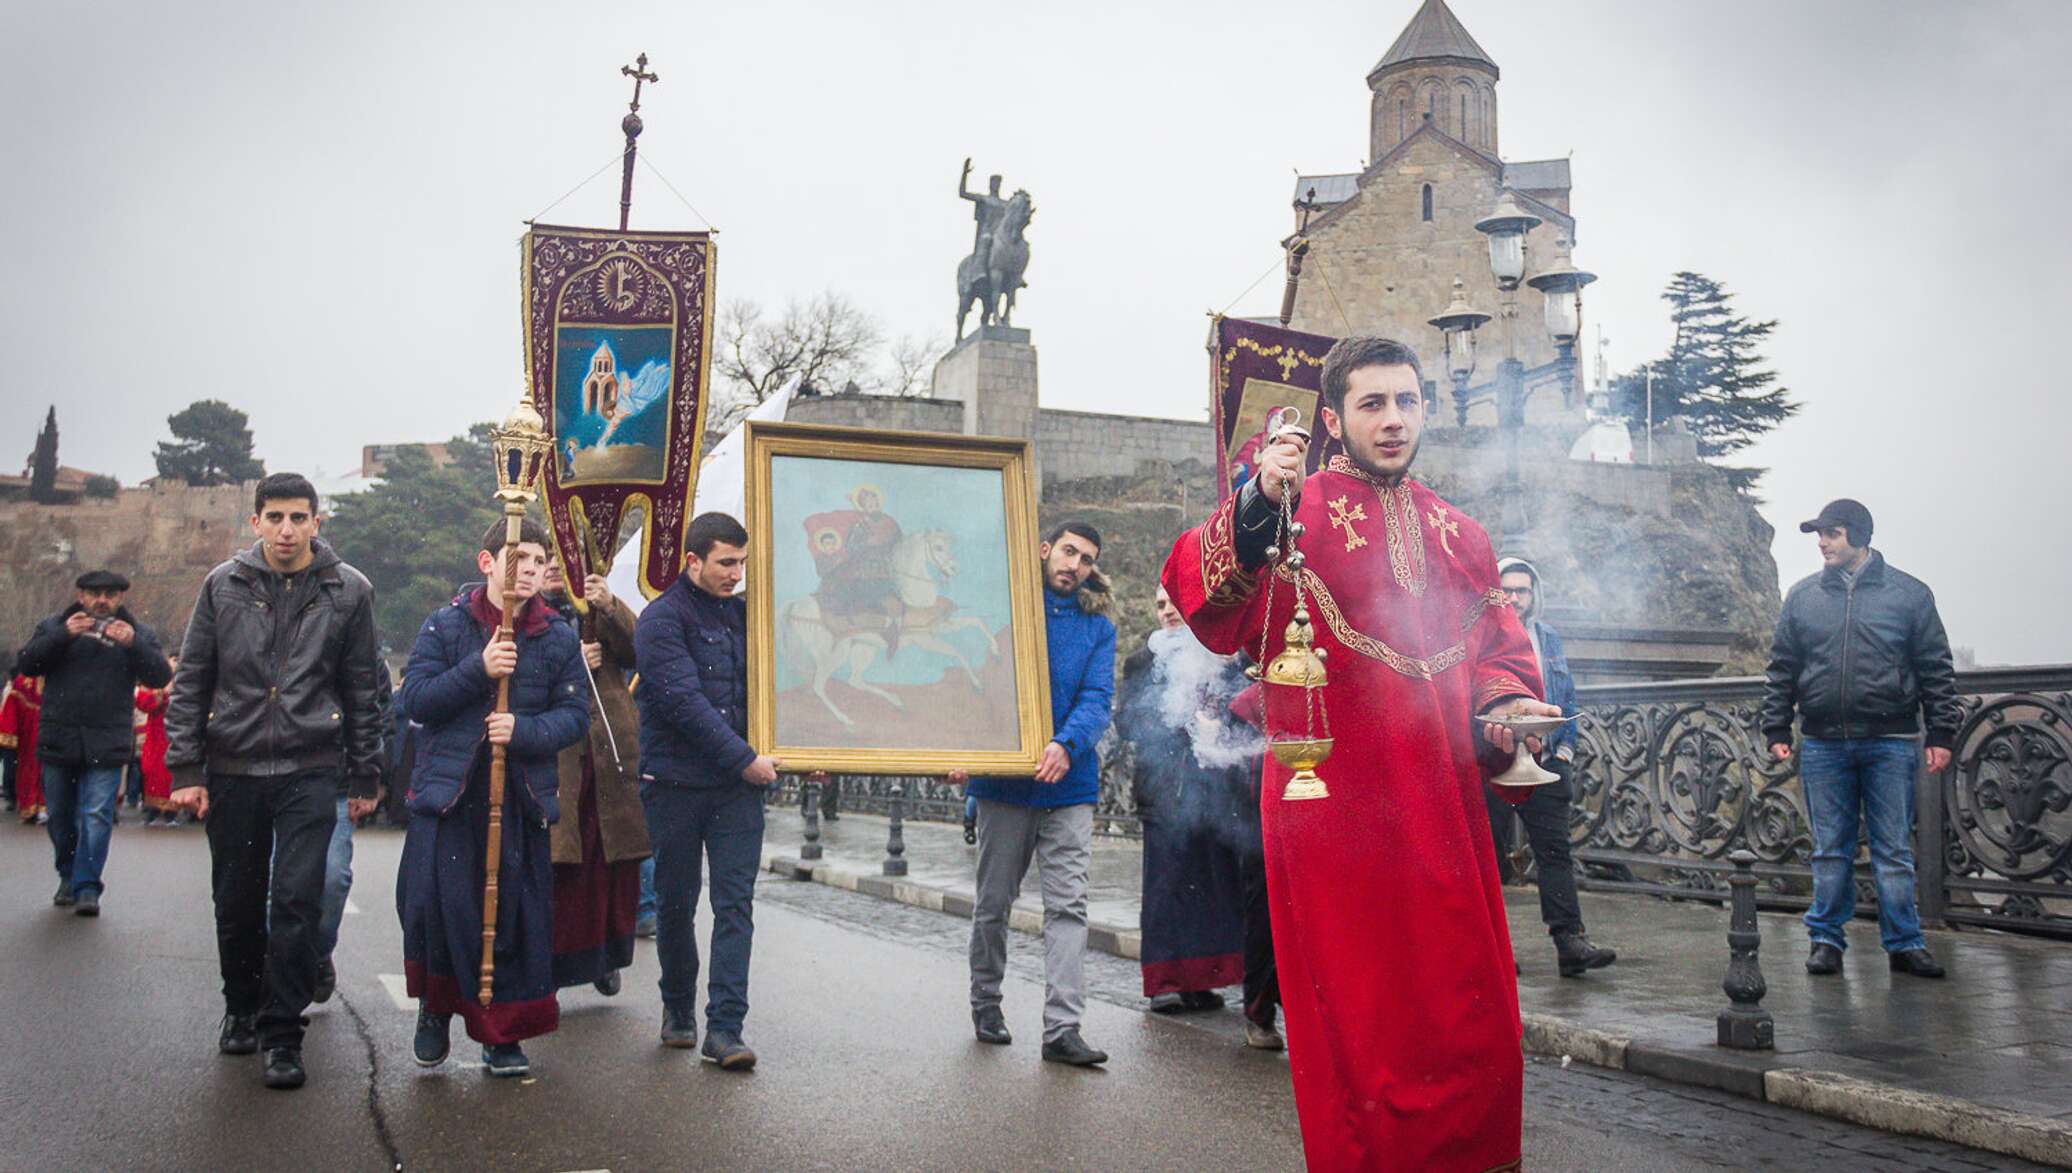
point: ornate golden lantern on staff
(520, 445)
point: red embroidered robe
(1388, 923)
(151, 747)
(19, 716)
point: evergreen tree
(415, 534)
(1713, 375)
(211, 445)
(43, 462)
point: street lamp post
(1506, 228)
(1459, 322)
(1564, 291)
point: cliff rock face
(164, 539)
(1669, 546)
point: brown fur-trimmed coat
(620, 817)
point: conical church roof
(1433, 33)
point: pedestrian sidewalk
(1983, 1058)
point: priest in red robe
(1388, 922)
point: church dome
(1436, 73)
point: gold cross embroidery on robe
(1447, 528)
(1343, 518)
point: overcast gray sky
(312, 211)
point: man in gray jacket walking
(1861, 656)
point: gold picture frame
(894, 601)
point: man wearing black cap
(1861, 656)
(92, 656)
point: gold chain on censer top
(1300, 663)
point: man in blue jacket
(1050, 818)
(1546, 813)
(702, 784)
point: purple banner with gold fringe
(618, 339)
(1256, 371)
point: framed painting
(895, 604)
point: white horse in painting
(917, 560)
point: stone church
(1388, 241)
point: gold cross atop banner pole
(631, 125)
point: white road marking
(351, 909)
(398, 991)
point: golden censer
(1300, 663)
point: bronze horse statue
(990, 276)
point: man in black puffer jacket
(1860, 654)
(276, 696)
(92, 656)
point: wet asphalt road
(858, 1009)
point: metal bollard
(1745, 1025)
(810, 790)
(895, 841)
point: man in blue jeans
(1861, 656)
(92, 656)
(702, 784)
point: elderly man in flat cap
(92, 656)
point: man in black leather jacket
(276, 695)
(1861, 655)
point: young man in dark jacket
(92, 656)
(450, 690)
(1860, 655)
(1050, 818)
(1545, 813)
(702, 784)
(276, 697)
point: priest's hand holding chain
(1281, 465)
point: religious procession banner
(1257, 372)
(618, 340)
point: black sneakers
(725, 1048)
(87, 903)
(240, 1034)
(679, 1028)
(991, 1026)
(609, 984)
(327, 981)
(1070, 1049)
(1919, 962)
(505, 1060)
(430, 1046)
(63, 899)
(284, 1068)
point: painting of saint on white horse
(891, 592)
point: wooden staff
(520, 447)
(493, 844)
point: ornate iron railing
(1672, 777)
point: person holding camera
(92, 656)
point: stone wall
(889, 412)
(164, 539)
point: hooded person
(1187, 775)
(1545, 813)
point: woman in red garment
(18, 720)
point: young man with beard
(91, 656)
(602, 838)
(702, 784)
(275, 699)
(1388, 922)
(1861, 658)
(1545, 812)
(450, 689)
(1049, 819)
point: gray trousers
(1060, 840)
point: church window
(1402, 118)
(1427, 201)
(1464, 118)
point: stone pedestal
(992, 372)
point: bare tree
(909, 363)
(825, 341)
